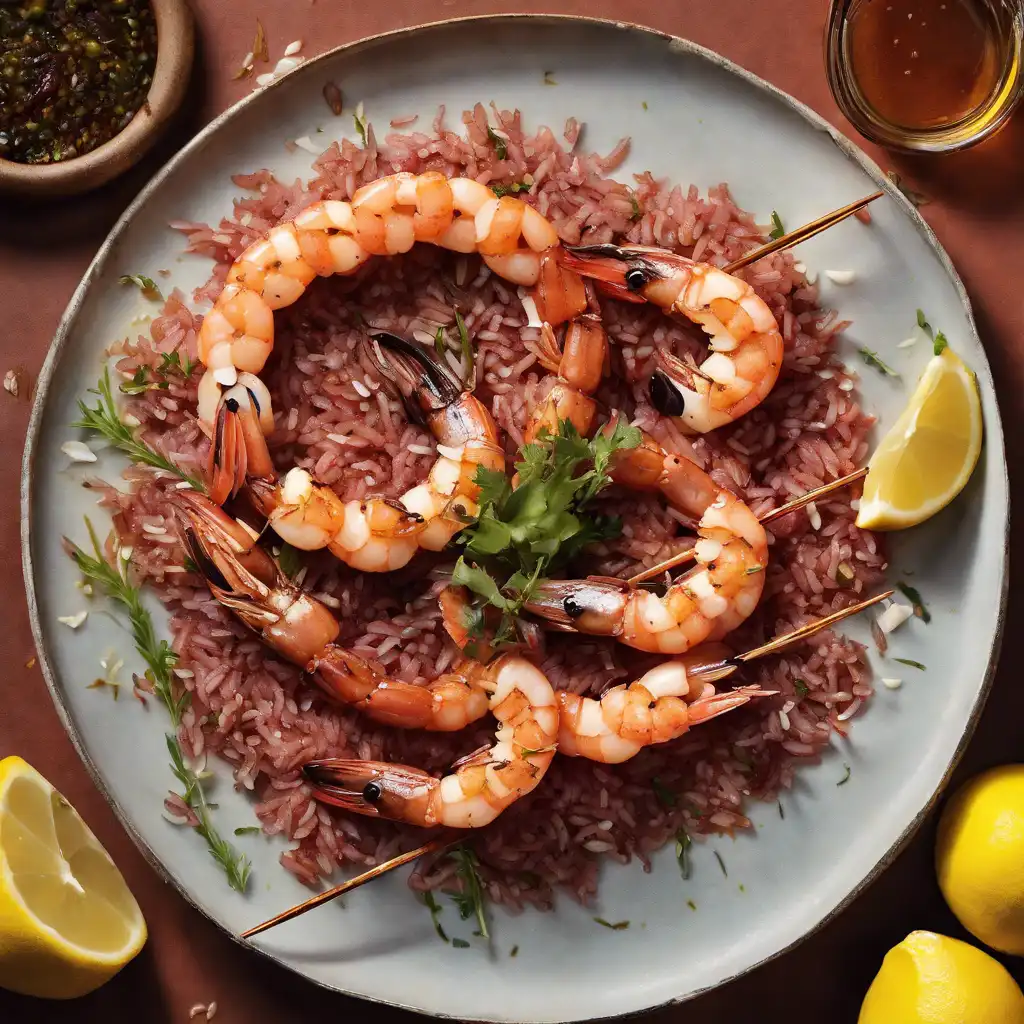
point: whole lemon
(979, 857)
(932, 979)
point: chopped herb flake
(637, 209)
(549, 78)
(691, 904)
(460, 943)
(683, 844)
(923, 323)
(468, 367)
(846, 778)
(913, 595)
(360, 123)
(149, 288)
(872, 359)
(435, 909)
(290, 561)
(940, 344)
(782, 811)
(440, 343)
(618, 926)
(643, 103)
(912, 664)
(514, 951)
(248, 830)
(801, 687)
(500, 145)
(721, 863)
(777, 230)
(510, 189)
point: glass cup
(911, 87)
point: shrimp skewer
(746, 346)
(372, 534)
(302, 630)
(706, 603)
(481, 786)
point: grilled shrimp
(385, 217)
(372, 534)
(482, 785)
(293, 624)
(661, 705)
(579, 365)
(746, 347)
(707, 602)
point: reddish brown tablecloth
(977, 213)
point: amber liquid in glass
(926, 63)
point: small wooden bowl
(175, 49)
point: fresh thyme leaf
(235, 865)
(912, 664)
(683, 844)
(846, 778)
(471, 901)
(721, 863)
(439, 343)
(664, 795)
(290, 561)
(149, 288)
(435, 909)
(872, 359)
(913, 595)
(618, 926)
(777, 230)
(549, 78)
(460, 943)
(500, 145)
(510, 189)
(801, 687)
(468, 368)
(360, 122)
(171, 362)
(940, 344)
(248, 830)
(103, 419)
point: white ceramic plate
(706, 121)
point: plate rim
(64, 331)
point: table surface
(978, 214)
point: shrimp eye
(636, 278)
(372, 792)
(665, 396)
(573, 608)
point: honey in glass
(926, 74)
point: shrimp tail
(705, 708)
(239, 450)
(423, 383)
(372, 788)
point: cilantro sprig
(522, 535)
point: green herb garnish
(846, 778)
(782, 813)
(160, 659)
(940, 344)
(637, 210)
(872, 359)
(683, 844)
(664, 795)
(290, 561)
(149, 288)
(643, 103)
(801, 687)
(103, 419)
(146, 378)
(500, 144)
(510, 189)
(618, 926)
(361, 125)
(248, 830)
(435, 909)
(923, 323)
(549, 79)
(440, 343)
(468, 365)
(514, 951)
(912, 664)
(777, 230)
(721, 863)
(522, 535)
(691, 904)
(914, 597)
(471, 901)
(460, 943)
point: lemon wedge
(979, 857)
(932, 979)
(67, 920)
(929, 453)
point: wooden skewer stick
(434, 846)
(450, 838)
(799, 235)
(768, 517)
